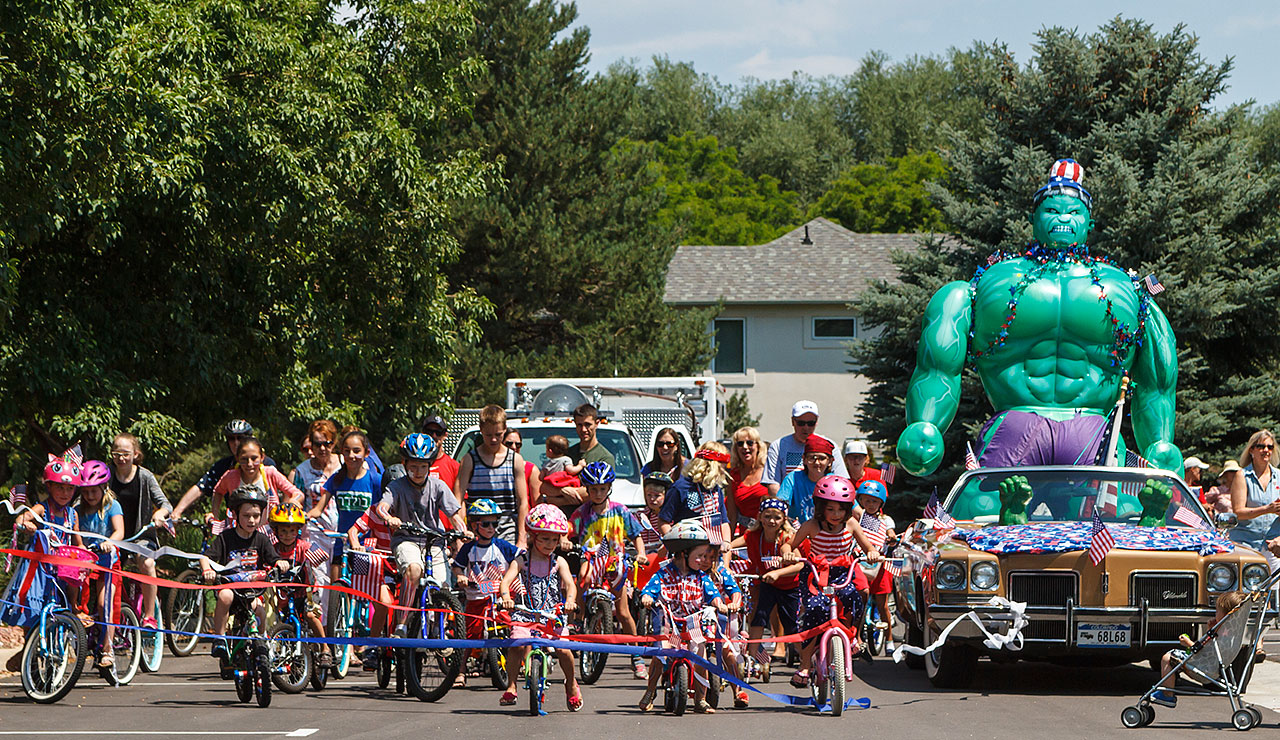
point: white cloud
(762, 65)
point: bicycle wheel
(384, 669)
(835, 676)
(290, 660)
(243, 674)
(430, 672)
(126, 646)
(153, 641)
(496, 659)
(344, 618)
(715, 684)
(875, 636)
(599, 622)
(262, 680)
(319, 676)
(53, 657)
(817, 685)
(184, 612)
(537, 682)
(679, 690)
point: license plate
(1103, 635)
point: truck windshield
(1071, 494)
(535, 446)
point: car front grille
(1164, 590)
(1043, 588)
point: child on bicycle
(831, 534)
(418, 499)
(480, 564)
(685, 587)
(248, 548)
(372, 531)
(101, 514)
(550, 587)
(60, 477)
(597, 521)
(354, 485)
(1226, 604)
(779, 586)
(287, 521)
(871, 496)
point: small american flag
(771, 562)
(970, 459)
(887, 471)
(488, 579)
(1133, 460)
(894, 566)
(933, 510)
(874, 529)
(598, 561)
(1101, 542)
(1153, 284)
(1188, 517)
(366, 573)
(74, 455)
(19, 494)
(738, 566)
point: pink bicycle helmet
(546, 519)
(60, 470)
(834, 488)
(94, 473)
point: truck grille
(1040, 588)
(1164, 590)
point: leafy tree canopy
(885, 198)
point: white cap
(804, 407)
(1194, 462)
(855, 447)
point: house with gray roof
(785, 329)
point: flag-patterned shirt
(480, 562)
(684, 593)
(372, 526)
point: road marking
(303, 732)
(300, 732)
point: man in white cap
(785, 453)
(855, 460)
(1193, 467)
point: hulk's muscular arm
(934, 392)
(1155, 377)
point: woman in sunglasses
(667, 457)
(309, 477)
(1255, 496)
(746, 471)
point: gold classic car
(1161, 578)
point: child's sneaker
(219, 650)
(639, 670)
(369, 659)
(1164, 698)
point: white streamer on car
(1011, 640)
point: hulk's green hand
(920, 448)
(1154, 497)
(1015, 494)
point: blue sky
(768, 39)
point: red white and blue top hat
(1065, 178)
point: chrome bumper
(997, 619)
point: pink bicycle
(831, 665)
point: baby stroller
(1217, 664)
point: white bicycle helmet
(685, 535)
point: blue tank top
(1256, 531)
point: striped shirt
(831, 545)
(650, 535)
(497, 483)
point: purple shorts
(1025, 438)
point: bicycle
(678, 671)
(151, 640)
(537, 665)
(126, 637)
(293, 663)
(429, 673)
(185, 610)
(597, 619)
(246, 659)
(56, 644)
(831, 665)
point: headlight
(950, 575)
(984, 575)
(1222, 577)
(1253, 576)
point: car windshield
(1070, 495)
(534, 447)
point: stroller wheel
(1242, 719)
(1148, 714)
(1257, 715)
(1132, 717)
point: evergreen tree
(567, 247)
(1176, 193)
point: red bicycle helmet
(834, 488)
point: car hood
(1048, 537)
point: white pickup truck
(634, 411)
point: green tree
(737, 413)
(220, 208)
(671, 99)
(706, 199)
(567, 248)
(885, 198)
(1176, 192)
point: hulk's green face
(1060, 221)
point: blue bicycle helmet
(597, 473)
(874, 489)
(417, 446)
(483, 507)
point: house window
(731, 346)
(835, 327)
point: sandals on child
(740, 700)
(574, 700)
(800, 679)
(702, 707)
(508, 698)
(646, 701)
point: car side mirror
(1225, 520)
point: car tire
(915, 636)
(951, 666)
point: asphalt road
(186, 699)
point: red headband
(713, 456)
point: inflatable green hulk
(1051, 331)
